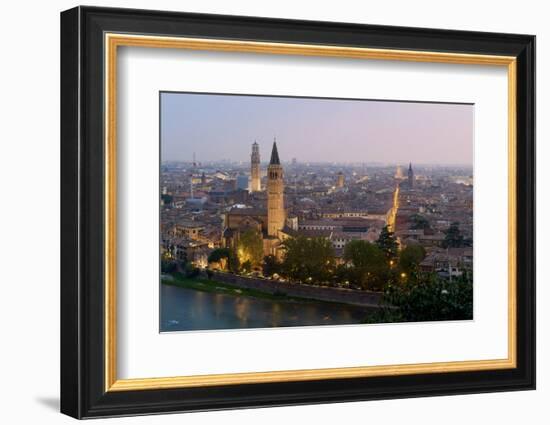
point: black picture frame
(83, 392)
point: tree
(218, 254)
(167, 263)
(388, 244)
(168, 266)
(167, 199)
(246, 266)
(309, 260)
(250, 248)
(453, 238)
(418, 222)
(271, 265)
(342, 276)
(369, 268)
(410, 257)
(191, 271)
(427, 297)
(226, 257)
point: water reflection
(188, 309)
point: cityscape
(272, 239)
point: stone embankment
(300, 290)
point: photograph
(285, 209)
(279, 211)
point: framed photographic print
(261, 212)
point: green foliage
(246, 266)
(427, 297)
(418, 221)
(309, 260)
(233, 262)
(369, 267)
(453, 238)
(410, 257)
(342, 276)
(271, 266)
(191, 271)
(388, 244)
(250, 248)
(168, 266)
(219, 254)
(167, 199)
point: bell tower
(275, 194)
(255, 184)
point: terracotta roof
(247, 211)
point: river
(184, 309)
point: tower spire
(274, 154)
(276, 213)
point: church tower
(255, 184)
(399, 172)
(275, 197)
(410, 176)
(340, 180)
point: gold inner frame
(113, 41)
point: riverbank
(232, 284)
(213, 286)
(354, 297)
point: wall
(349, 296)
(29, 232)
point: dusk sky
(218, 127)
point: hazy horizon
(221, 128)
(265, 162)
